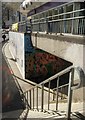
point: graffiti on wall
(41, 65)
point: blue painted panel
(28, 42)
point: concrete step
(41, 115)
(77, 110)
(61, 113)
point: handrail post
(48, 94)
(57, 93)
(61, 93)
(27, 97)
(70, 93)
(30, 98)
(53, 95)
(42, 97)
(37, 97)
(33, 98)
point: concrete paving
(14, 69)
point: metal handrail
(81, 76)
(49, 90)
(71, 87)
(57, 75)
(41, 86)
(53, 77)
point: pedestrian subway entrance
(40, 65)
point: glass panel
(62, 26)
(55, 18)
(69, 8)
(61, 17)
(82, 5)
(47, 14)
(76, 14)
(81, 13)
(68, 26)
(69, 15)
(77, 5)
(50, 13)
(40, 16)
(81, 26)
(55, 12)
(43, 15)
(75, 26)
(61, 10)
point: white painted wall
(17, 49)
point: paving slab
(24, 84)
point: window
(61, 17)
(50, 13)
(69, 15)
(69, 8)
(47, 14)
(55, 18)
(82, 5)
(61, 10)
(55, 12)
(79, 13)
(43, 15)
(75, 26)
(40, 16)
(77, 5)
(68, 26)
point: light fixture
(25, 3)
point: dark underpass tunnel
(40, 65)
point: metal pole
(33, 98)
(53, 95)
(70, 93)
(36, 40)
(48, 94)
(30, 98)
(61, 93)
(57, 94)
(42, 97)
(27, 96)
(37, 97)
(72, 27)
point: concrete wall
(70, 48)
(17, 49)
(66, 49)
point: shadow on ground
(12, 100)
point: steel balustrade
(42, 87)
(36, 24)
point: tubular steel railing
(59, 23)
(39, 89)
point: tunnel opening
(40, 65)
